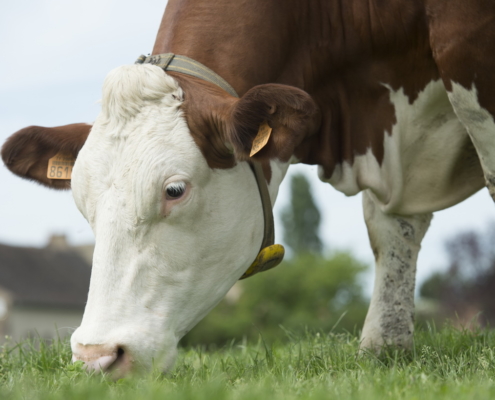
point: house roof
(44, 277)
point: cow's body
(386, 116)
(400, 107)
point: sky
(55, 55)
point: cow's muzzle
(98, 357)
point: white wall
(45, 322)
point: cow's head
(175, 210)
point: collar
(270, 254)
(188, 66)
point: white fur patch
(479, 123)
(421, 155)
(127, 89)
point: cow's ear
(26, 152)
(270, 121)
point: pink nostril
(97, 357)
(102, 363)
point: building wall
(5, 306)
(23, 322)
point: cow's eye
(175, 190)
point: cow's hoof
(377, 345)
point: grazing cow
(393, 99)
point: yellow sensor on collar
(267, 258)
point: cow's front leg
(395, 241)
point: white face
(172, 235)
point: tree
(301, 219)
(467, 286)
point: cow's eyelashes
(175, 190)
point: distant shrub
(463, 292)
(307, 292)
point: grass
(443, 365)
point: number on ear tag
(261, 138)
(60, 166)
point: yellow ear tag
(261, 138)
(60, 166)
(268, 258)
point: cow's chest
(429, 162)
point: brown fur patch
(462, 35)
(206, 108)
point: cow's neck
(245, 42)
(344, 59)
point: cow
(391, 99)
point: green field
(449, 364)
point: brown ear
(290, 112)
(26, 152)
